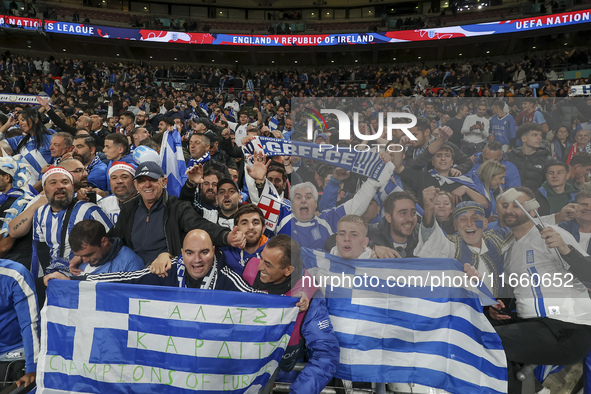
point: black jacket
(179, 219)
(379, 234)
(531, 167)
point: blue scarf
(202, 159)
(93, 163)
(472, 183)
(13, 192)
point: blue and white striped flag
(173, 162)
(273, 123)
(120, 338)
(406, 333)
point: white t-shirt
(110, 206)
(240, 130)
(530, 256)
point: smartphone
(502, 311)
(91, 196)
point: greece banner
(120, 338)
(19, 98)
(365, 163)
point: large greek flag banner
(393, 330)
(120, 338)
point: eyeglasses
(78, 170)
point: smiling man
(155, 223)
(398, 229)
(473, 245)
(121, 178)
(249, 219)
(279, 271)
(199, 267)
(552, 325)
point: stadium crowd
(85, 196)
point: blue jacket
(119, 259)
(19, 313)
(98, 176)
(323, 351)
(512, 177)
(573, 227)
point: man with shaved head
(200, 266)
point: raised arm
(21, 224)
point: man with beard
(398, 229)
(141, 120)
(552, 325)
(121, 178)
(250, 220)
(85, 150)
(53, 222)
(228, 197)
(21, 224)
(79, 174)
(203, 196)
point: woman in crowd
(582, 144)
(33, 144)
(492, 176)
(444, 207)
(560, 145)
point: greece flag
(120, 338)
(173, 162)
(410, 321)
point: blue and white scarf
(208, 281)
(202, 159)
(93, 163)
(462, 179)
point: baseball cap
(224, 181)
(149, 169)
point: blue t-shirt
(503, 129)
(36, 158)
